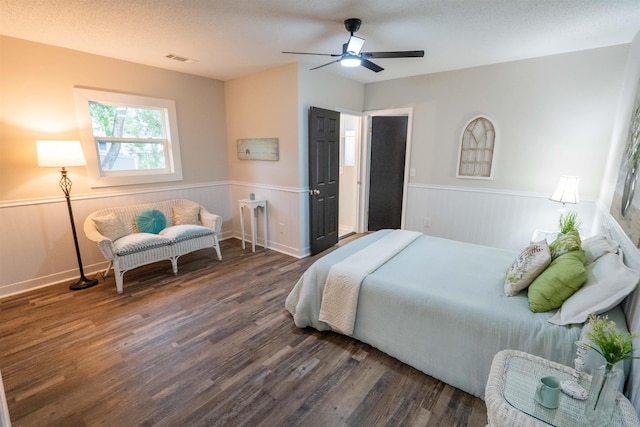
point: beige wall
(554, 116)
(275, 103)
(264, 105)
(37, 102)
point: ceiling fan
(352, 56)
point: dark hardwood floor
(213, 345)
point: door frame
(363, 208)
(359, 165)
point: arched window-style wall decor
(477, 147)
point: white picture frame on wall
(477, 149)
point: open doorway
(350, 133)
(357, 153)
(385, 172)
(387, 147)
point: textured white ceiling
(231, 38)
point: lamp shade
(567, 190)
(60, 153)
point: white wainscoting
(284, 230)
(37, 244)
(503, 219)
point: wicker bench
(186, 227)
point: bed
(439, 306)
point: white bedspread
(340, 294)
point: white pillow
(110, 226)
(608, 282)
(186, 215)
(526, 267)
(596, 246)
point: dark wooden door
(386, 178)
(324, 168)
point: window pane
(128, 139)
(118, 155)
(126, 122)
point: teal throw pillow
(564, 276)
(151, 221)
(564, 244)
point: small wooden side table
(511, 387)
(253, 206)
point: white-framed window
(128, 139)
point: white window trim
(98, 179)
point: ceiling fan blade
(309, 53)
(399, 54)
(324, 65)
(370, 65)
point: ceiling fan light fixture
(350, 61)
(352, 55)
(355, 45)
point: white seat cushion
(178, 233)
(137, 242)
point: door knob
(316, 192)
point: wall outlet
(281, 227)
(426, 222)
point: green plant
(612, 344)
(569, 222)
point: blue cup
(548, 392)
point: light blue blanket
(439, 306)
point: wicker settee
(170, 229)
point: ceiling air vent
(180, 58)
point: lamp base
(83, 283)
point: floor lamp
(63, 154)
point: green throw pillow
(151, 221)
(564, 244)
(558, 282)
